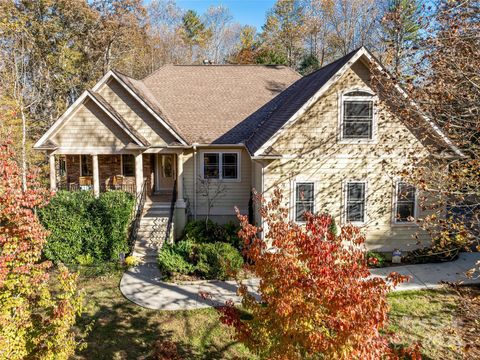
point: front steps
(152, 230)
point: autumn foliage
(317, 299)
(36, 318)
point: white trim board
(57, 125)
(111, 73)
(361, 52)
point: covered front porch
(155, 173)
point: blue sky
(251, 12)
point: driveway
(142, 284)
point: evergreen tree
(401, 29)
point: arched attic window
(357, 115)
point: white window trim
(345, 196)
(395, 222)
(341, 98)
(294, 197)
(220, 163)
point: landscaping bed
(207, 251)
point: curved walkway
(142, 284)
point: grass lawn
(123, 330)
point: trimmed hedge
(81, 225)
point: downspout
(195, 181)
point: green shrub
(201, 232)
(82, 225)
(218, 260)
(171, 261)
(379, 259)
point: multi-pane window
(304, 199)
(86, 167)
(128, 165)
(355, 201)
(357, 121)
(229, 165)
(221, 165)
(211, 165)
(405, 202)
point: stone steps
(152, 231)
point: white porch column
(180, 178)
(53, 175)
(180, 205)
(96, 176)
(138, 172)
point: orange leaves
(35, 321)
(316, 293)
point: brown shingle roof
(205, 102)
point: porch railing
(137, 214)
(172, 212)
(129, 187)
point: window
(221, 165)
(357, 115)
(405, 202)
(128, 165)
(355, 202)
(211, 166)
(304, 200)
(229, 166)
(86, 166)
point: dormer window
(357, 115)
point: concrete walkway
(142, 284)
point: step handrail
(140, 199)
(172, 211)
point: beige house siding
(90, 127)
(313, 153)
(237, 193)
(135, 114)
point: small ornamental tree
(36, 318)
(317, 299)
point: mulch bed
(468, 319)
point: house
(327, 140)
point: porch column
(180, 177)
(138, 172)
(180, 205)
(53, 175)
(96, 177)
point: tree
(283, 30)
(445, 82)
(245, 51)
(36, 314)
(211, 190)
(195, 33)
(353, 23)
(308, 64)
(317, 299)
(401, 28)
(224, 33)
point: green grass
(428, 317)
(123, 330)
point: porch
(158, 173)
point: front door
(165, 172)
